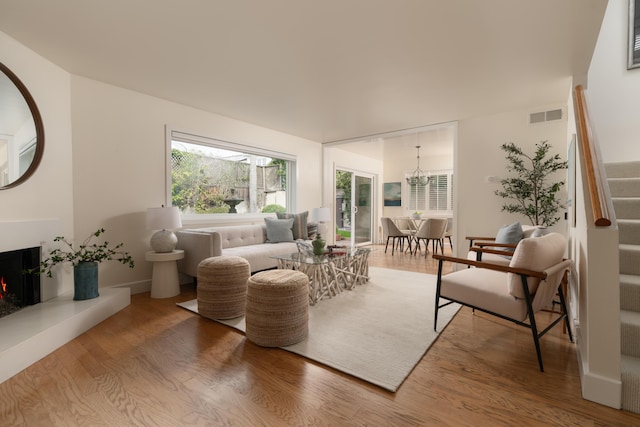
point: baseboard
(137, 287)
(596, 388)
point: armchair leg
(532, 320)
(563, 302)
(437, 302)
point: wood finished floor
(156, 364)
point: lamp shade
(321, 214)
(163, 218)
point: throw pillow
(279, 230)
(509, 234)
(299, 223)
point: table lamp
(163, 219)
(321, 215)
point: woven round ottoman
(222, 287)
(277, 311)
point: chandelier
(418, 177)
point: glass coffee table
(329, 274)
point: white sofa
(246, 241)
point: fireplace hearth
(18, 289)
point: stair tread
(630, 279)
(630, 317)
(628, 247)
(630, 364)
(622, 169)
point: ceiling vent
(545, 116)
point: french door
(354, 207)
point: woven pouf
(277, 311)
(222, 287)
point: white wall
(119, 163)
(48, 193)
(613, 91)
(478, 155)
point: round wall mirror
(21, 131)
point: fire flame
(4, 287)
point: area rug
(377, 332)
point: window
(209, 176)
(432, 197)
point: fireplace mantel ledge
(35, 331)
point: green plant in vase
(529, 192)
(85, 258)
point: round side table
(164, 281)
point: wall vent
(545, 116)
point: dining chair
(431, 229)
(391, 230)
(448, 232)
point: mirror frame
(37, 119)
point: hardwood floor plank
(154, 363)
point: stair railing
(595, 180)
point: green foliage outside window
(191, 187)
(343, 182)
(282, 172)
(273, 208)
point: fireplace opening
(18, 289)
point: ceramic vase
(85, 280)
(318, 245)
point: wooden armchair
(515, 292)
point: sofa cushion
(259, 256)
(279, 230)
(487, 288)
(299, 227)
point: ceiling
(325, 70)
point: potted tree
(529, 192)
(85, 259)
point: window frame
(173, 134)
(424, 207)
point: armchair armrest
(495, 244)
(197, 246)
(497, 267)
(479, 251)
(472, 238)
(564, 265)
(491, 251)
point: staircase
(624, 184)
